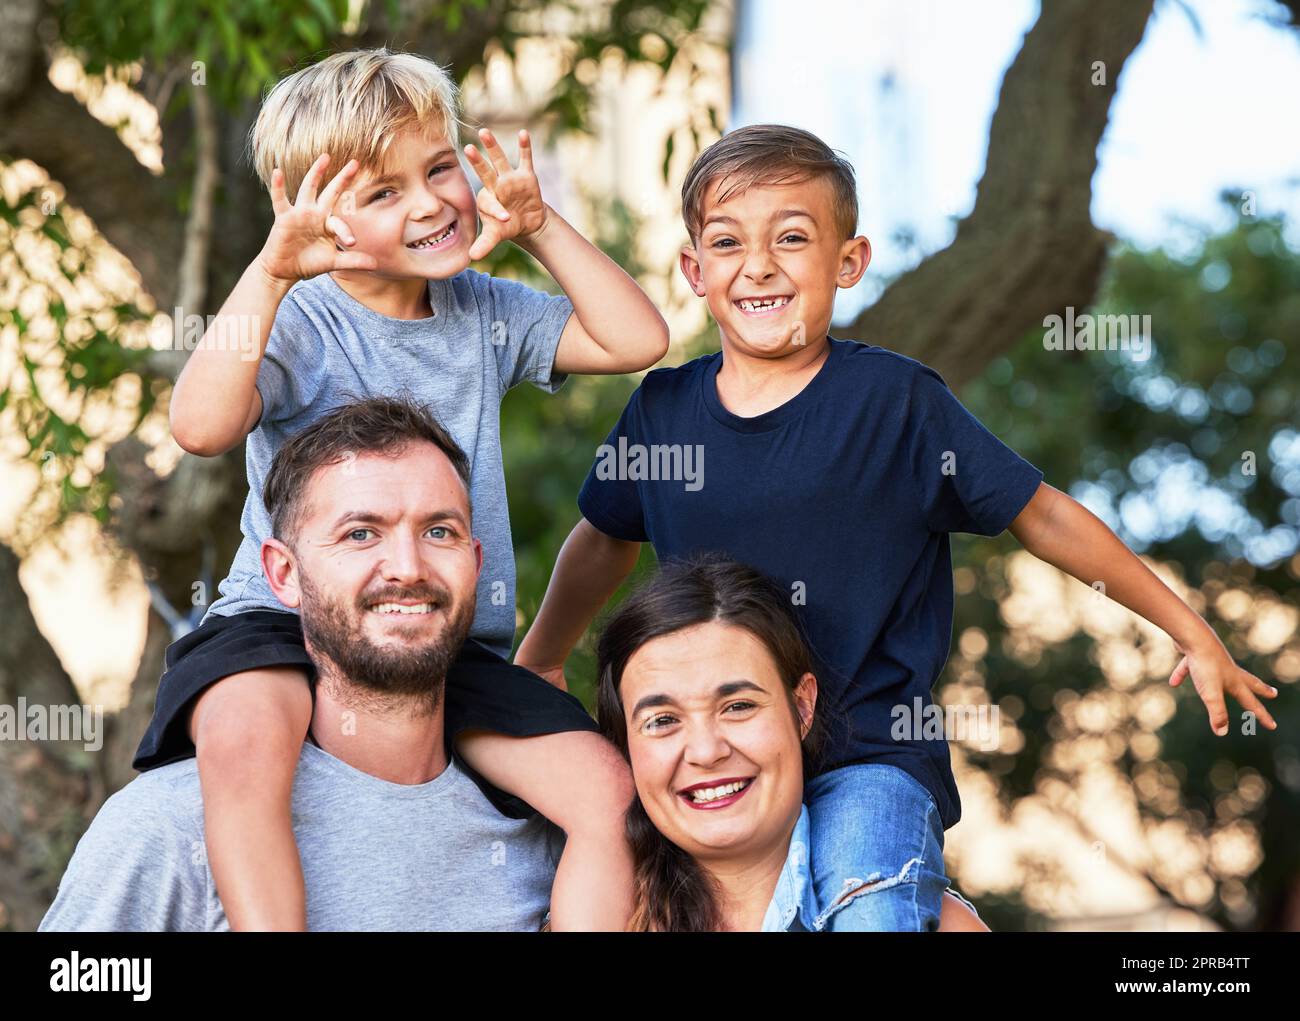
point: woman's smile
(716, 794)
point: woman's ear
(805, 703)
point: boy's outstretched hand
(304, 238)
(510, 200)
(1213, 672)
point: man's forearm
(590, 567)
(212, 398)
(1062, 532)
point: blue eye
(441, 528)
(358, 531)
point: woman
(705, 684)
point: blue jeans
(877, 850)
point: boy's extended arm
(614, 327)
(215, 401)
(591, 565)
(1061, 531)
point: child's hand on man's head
(510, 201)
(305, 238)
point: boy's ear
(281, 570)
(855, 256)
(689, 263)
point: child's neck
(749, 386)
(395, 298)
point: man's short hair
(376, 425)
(765, 154)
(350, 105)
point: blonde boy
(364, 289)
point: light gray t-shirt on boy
(486, 335)
(376, 856)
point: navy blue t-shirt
(845, 494)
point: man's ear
(805, 702)
(281, 570)
(855, 256)
(478, 558)
(689, 263)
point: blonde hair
(350, 105)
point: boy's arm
(580, 782)
(1061, 531)
(591, 565)
(615, 327)
(215, 402)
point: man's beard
(337, 639)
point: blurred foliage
(67, 330)
(1159, 449)
(243, 46)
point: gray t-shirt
(376, 856)
(486, 335)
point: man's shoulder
(168, 797)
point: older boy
(839, 469)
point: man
(374, 547)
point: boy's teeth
(429, 242)
(399, 608)
(750, 305)
(714, 793)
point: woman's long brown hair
(673, 892)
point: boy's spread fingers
(355, 260)
(1180, 672)
(495, 153)
(279, 201)
(490, 204)
(1251, 704)
(330, 195)
(307, 192)
(1260, 687)
(525, 151)
(340, 230)
(486, 173)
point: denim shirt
(794, 904)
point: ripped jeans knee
(906, 901)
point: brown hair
(673, 893)
(376, 425)
(769, 154)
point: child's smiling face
(769, 260)
(418, 218)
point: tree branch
(1029, 247)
